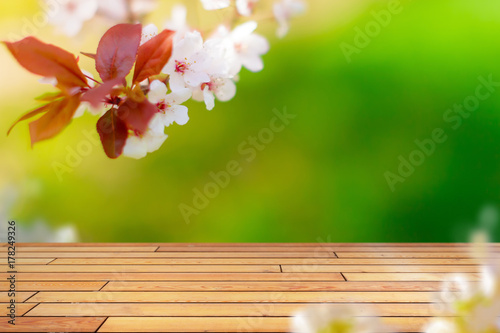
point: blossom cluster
(170, 67)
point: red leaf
(90, 55)
(48, 61)
(113, 133)
(59, 115)
(153, 56)
(29, 115)
(117, 51)
(137, 115)
(96, 95)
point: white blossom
(139, 146)
(188, 64)
(70, 15)
(245, 7)
(169, 108)
(222, 88)
(283, 11)
(215, 4)
(334, 318)
(178, 22)
(122, 10)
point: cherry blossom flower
(334, 318)
(178, 22)
(215, 4)
(138, 146)
(222, 88)
(243, 47)
(71, 15)
(148, 32)
(188, 64)
(245, 7)
(169, 110)
(283, 11)
(123, 10)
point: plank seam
(98, 328)
(51, 261)
(26, 300)
(104, 285)
(30, 310)
(343, 276)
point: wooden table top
(222, 287)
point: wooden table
(222, 287)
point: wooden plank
(234, 297)
(410, 276)
(173, 255)
(176, 276)
(54, 286)
(218, 309)
(20, 296)
(21, 308)
(86, 249)
(380, 268)
(150, 268)
(315, 244)
(273, 286)
(322, 248)
(262, 261)
(53, 324)
(31, 261)
(413, 255)
(232, 324)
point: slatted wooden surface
(227, 287)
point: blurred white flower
(334, 319)
(245, 7)
(139, 146)
(222, 88)
(188, 64)
(122, 10)
(86, 106)
(473, 309)
(41, 232)
(71, 14)
(178, 22)
(148, 32)
(244, 47)
(169, 110)
(283, 11)
(215, 4)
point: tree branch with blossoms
(169, 68)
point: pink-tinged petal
(225, 90)
(157, 91)
(195, 79)
(181, 114)
(252, 63)
(176, 82)
(209, 98)
(179, 96)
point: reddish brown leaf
(153, 56)
(29, 115)
(113, 133)
(96, 95)
(137, 115)
(90, 55)
(117, 51)
(59, 115)
(48, 61)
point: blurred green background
(322, 178)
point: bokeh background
(322, 178)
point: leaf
(48, 97)
(137, 115)
(90, 55)
(113, 133)
(59, 115)
(117, 51)
(153, 55)
(48, 61)
(30, 114)
(96, 96)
